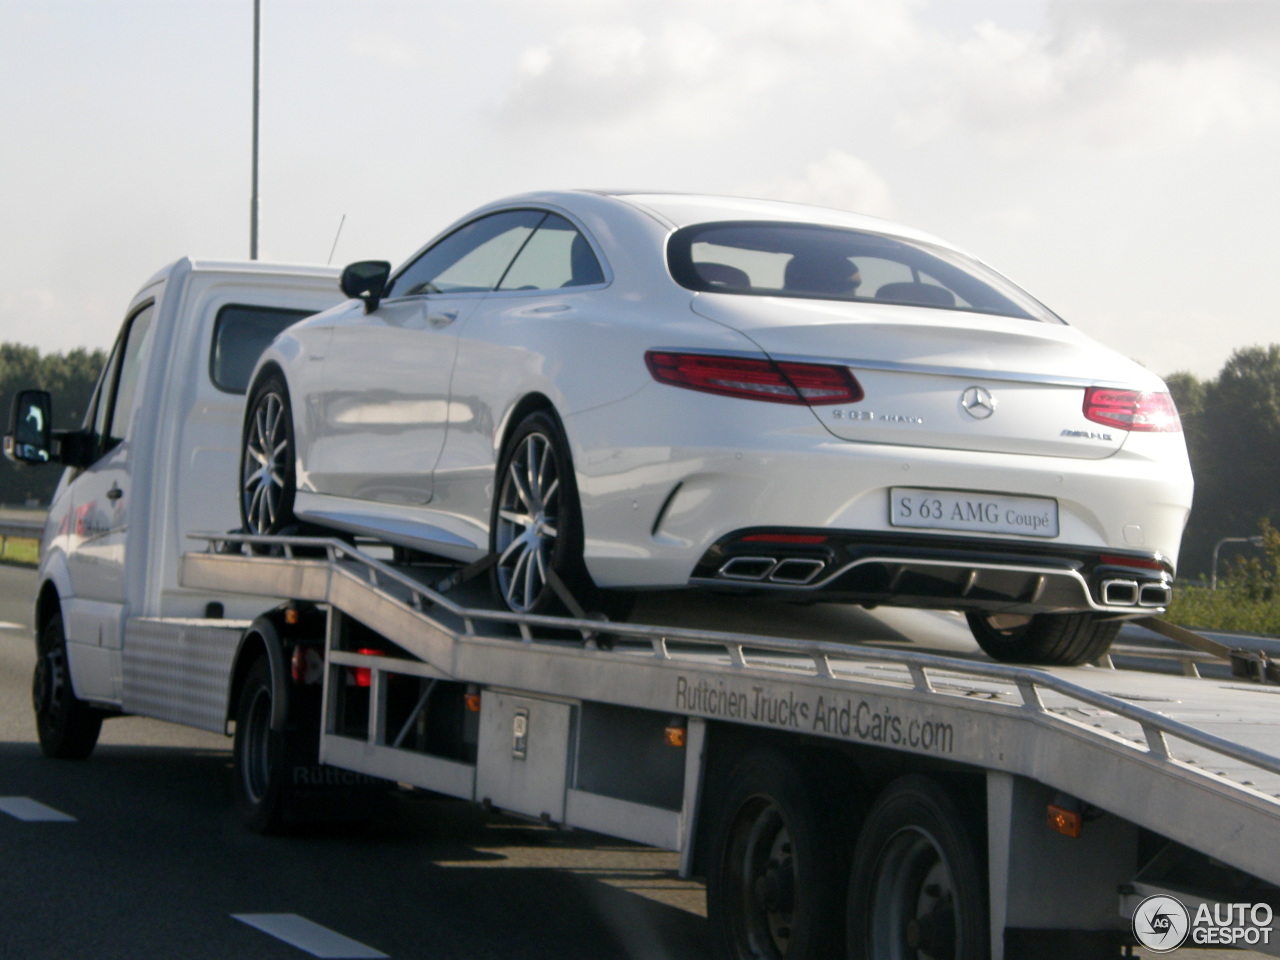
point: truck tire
(262, 757)
(776, 867)
(67, 727)
(1046, 639)
(268, 482)
(917, 888)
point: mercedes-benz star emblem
(978, 403)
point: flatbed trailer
(836, 797)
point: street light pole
(253, 199)
(1213, 578)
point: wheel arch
(262, 639)
(48, 605)
(529, 403)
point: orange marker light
(676, 736)
(1066, 822)
(291, 616)
(472, 700)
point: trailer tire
(917, 887)
(67, 727)
(777, 865)
(1047, 639)
(268, 482)
(261, 759)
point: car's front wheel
(1046, 639)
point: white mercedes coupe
(607, 392)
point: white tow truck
(840, 799)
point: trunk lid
(943, 378)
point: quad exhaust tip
(796, 571)
(1130, 593)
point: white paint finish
(6, 625)
(308, 936)
(32, 811)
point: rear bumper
(965, 573)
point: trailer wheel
(260, 761)
(776, 869)
(1050, 639)
(917, 889)
(67, 727)
(268, 483)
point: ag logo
(1161, 923)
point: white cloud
(837, 180)
(384, 49)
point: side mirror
(30, 437)
(367, 281)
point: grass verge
(1199, 608)
(20, 552)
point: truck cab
(155, 458)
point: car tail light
(752, 379)
(1132, 410)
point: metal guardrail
(1028, 681)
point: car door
(384, 409)
(100, 509)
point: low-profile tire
(536, 526)
(67, 727)
(268, 483)
(1046, 639)
(777, 864)
(917, 890)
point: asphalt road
(155, 864)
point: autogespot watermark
(1162, 924)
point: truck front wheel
(67, 726)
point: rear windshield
(773, 259)
(240, 334)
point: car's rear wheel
(536, 526)
(267, 478)
(1047, 639)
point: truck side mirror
(30, 437)
(367, 281)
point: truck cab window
(240, 334)
(113, 399)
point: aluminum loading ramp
(1195, 760)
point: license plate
(975, 512)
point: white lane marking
(309, 936)
(6, 625)
(32, 811)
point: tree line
(1231, 422)
(70, 377)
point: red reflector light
(1066, 822)
(1142, 563)
(785, 538)
(1132, 410)
(363, 676)
(754, 379)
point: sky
(1116, 158)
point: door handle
(439, 320)
(115, 493)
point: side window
(471, 259)
(240, 334)
(556, 256)
(137, 341)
